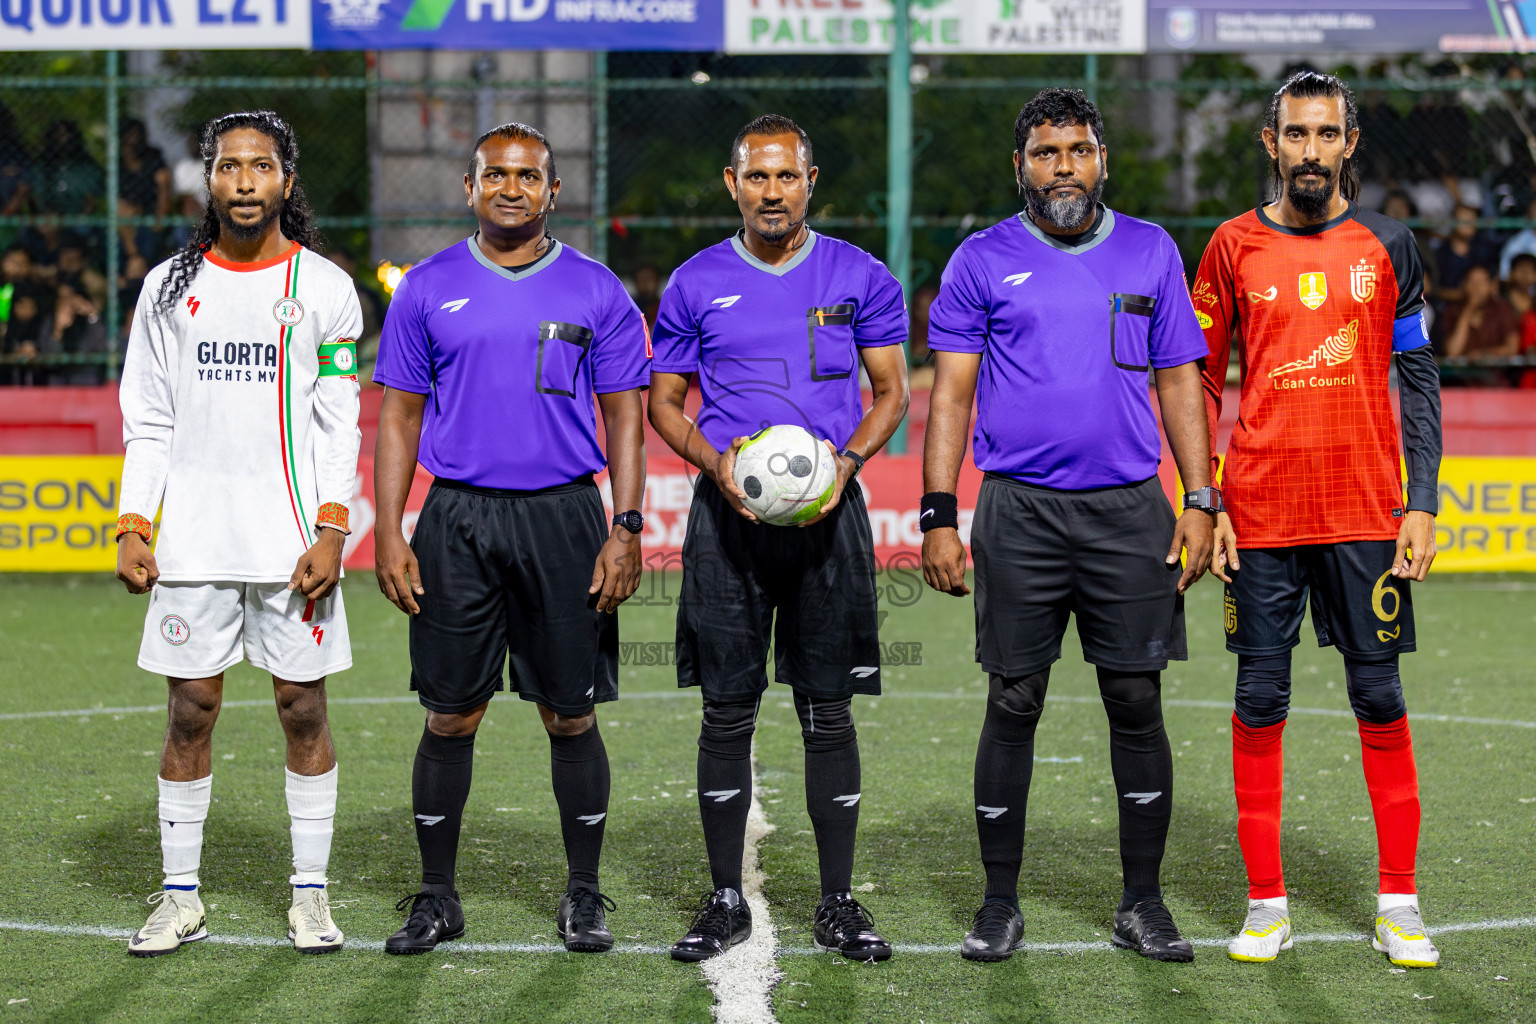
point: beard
(246, 232)
(1065, 212)
(787, 228)
(1311, 202)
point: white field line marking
(1216, 705)
(743, 977)
(98, 932)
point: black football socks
(1142, 763)
(578, 770)
(439, 787)
(831, 786)
(725, 787)
(1005, 763)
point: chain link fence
(641, 140)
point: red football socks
(1386, 752)
(1258, 778)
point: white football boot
(1400, 934)
(1265, 933)
(309, 922)
(177, 918)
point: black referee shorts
(809, 590)
(506, 576)
(1042, 554)
(1357, 604)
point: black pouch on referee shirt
(1130, 325)
(831, 332)
(561, 349)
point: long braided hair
(295, 218)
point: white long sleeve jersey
(240, 410)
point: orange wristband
(130, 523)
(333, 514)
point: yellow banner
(58, 513)
(1487, 519)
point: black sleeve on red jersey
(1418, 394)
(1403, 251)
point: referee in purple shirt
(774, 323)
(1052, 321)
(492, 351)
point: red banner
(893, 487)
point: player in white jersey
(239, 398)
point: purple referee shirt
(510, 361)
(777, 345)
(1068, 335)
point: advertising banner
(1487, 518)
(154, 24)
(937, 26)
(59, 513)
(516, 24)
(1339, 26)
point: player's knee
(1018, 697)
(1132, 700)
(1129, 687)
(1375, 690)
(1263, 689)
(557, 724)
(727, 730)
(301, 707)
(825, 725)
(193, 708)
(455, 723)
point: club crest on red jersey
(1312, 287)
(1362, 281)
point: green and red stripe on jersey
(285, 399)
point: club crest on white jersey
(288, 311)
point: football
(787, 474)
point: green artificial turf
(79, 836)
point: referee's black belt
(1010, 481)
(580, 483)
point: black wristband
(940, 511)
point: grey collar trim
(513, 275)
(1105, 227)
(768, 268)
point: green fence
(652, 132)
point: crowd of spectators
(1479, 287)
(53, 285)
(53, 282)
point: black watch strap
(632, 521)
(858, 460)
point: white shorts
(197, 630)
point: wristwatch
(632, 521)
(858, 460)
(1206, 499)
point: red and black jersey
(1314, 455)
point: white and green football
(787, 474)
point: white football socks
(183, 809)
(312, 813)
(1391, 900)
(1279, 903)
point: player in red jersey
(1323, 295)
